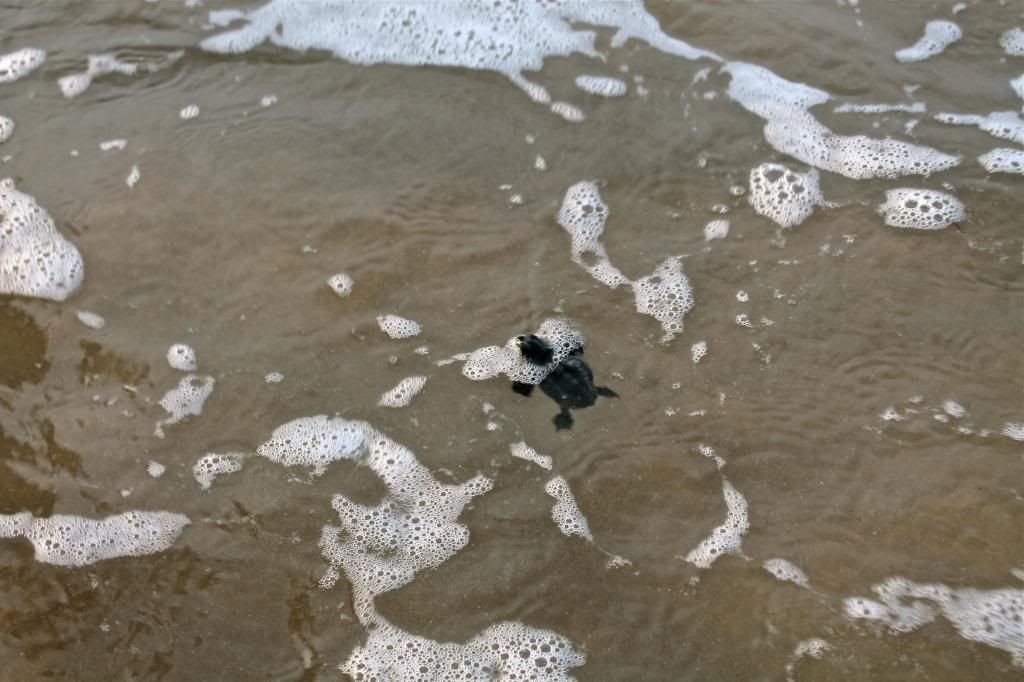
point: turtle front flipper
(562, 420)
(522, 389)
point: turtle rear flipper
(522, 389)
(606, 392)
(562, 420)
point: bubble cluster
(155, 469)
(315, 442)
(273, 378)
(102, 64)
(505, 651)
(402, 394)
(181, 357)
(524, 451)
(921, 209)
(118, 144)
(133, 176)
(992, 617)
(666, 295)
(1003, 160)
(490, 361)
(583, 215)
(813, 648)
(698, 351)
(716, 229)
(35, 260)
(212, 465)
(938, 35)
(1012, 42)
(726, 538)
(191, 111)
(601, 85)
(565, 513)
(785, 196)
(91, 320)
(786, 572)
(1006, 125)
(341, 284)
(67, 540)
(850, 107)
(19, 63)
(186, 400)
(398, 327)
(6, 129)
(568, 112)
(1014, 430)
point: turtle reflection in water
(570, 383)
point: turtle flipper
(522, 389)
(562, 420)
(606, 392)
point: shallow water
(402, 177)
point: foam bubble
(15, 65)
(921, 209)
(273, 378)
(938, 35)
(67, 540)
(315, 442)
(113, 144)
(1012, 42)
(181, 357)
(35, 260)
(402, 394)
(398, 327)
(103, 64)
(726, 538)
(716, 229)
(210, 466)
(133, 176)
(155, 469)
(490, 361)
(992, 617)
(583, 214)
(1006, 125)
(710, 453)
(91, 320)
(785, 196)
(6, 129)
(1003, 160)
(186, 400)
(601, 85)
(268, 101)
(341, 284)
(191, 111)
(666, 295)
(524, 451)
(786, 572)
(565, 513)
(540, 164)
(698, 351)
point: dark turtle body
(570, 383)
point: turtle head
(535, 349)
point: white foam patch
(490, 361)
(402, 394)
(565, 512)
(726, 538)
(103, 64)
(716, 229)
(341, 284)
(583, 215)
(698, 351)
(67, 540)
(186, 400)
(210, 466)
(315, 442)
(191, 111)
(921, 209)
(6, 129)
(35, 260)
(954, 409)
(709, 452)
(181, 357)
(992, 617)
(133, 176)
(849, 107)
(91, 320)
(273, 378)
(666, 295)
(807, 648)
(568, 112)
(524, 451)
(506, 651)
(792, 129)
(601, 85)
(20, 63)
(785, 196)
(398, 327)
(117, 144)
(1006, 125)
(1017, 85)
(540, 164)
(1014, 430)
(155, 469)
(1012, 42)
(938, 35)
(1003, 160)
(787, 572)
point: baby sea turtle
(570, 383)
